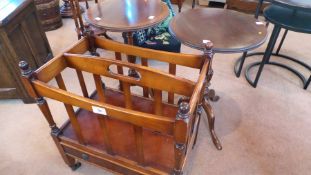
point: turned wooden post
(209, 54)
(180, 136)
(27, 77)
(89, 34)
(198, 113)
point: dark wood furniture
(49, 14)
(293, 15)
(230, 31)
(179, 3)
(157, 37)
(124, 132)
(127, 16)
(66, 11)
(247, 6)
(79, 23)
(21, 37)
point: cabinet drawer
(113, 163)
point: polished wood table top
(127, 15)
(300, 4)
(230, 31)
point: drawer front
(114, 166)
(176, 1)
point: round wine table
(229, 31)
(293, 15)
(127, 16)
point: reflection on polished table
(127, 16)
(229, 31)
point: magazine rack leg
(27, 77)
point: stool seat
(294, 4)
(298, 21)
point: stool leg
(282, 41)
(308, 83)
(258, 8)
(238, 73)
(268, 52)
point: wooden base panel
(158, 148)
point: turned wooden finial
(180, 136)
(183, 99)
(25, 69)
(87, 26)
(183, 110)
(208, 48)
(208, 44)
(90, 35)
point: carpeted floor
(264, 131)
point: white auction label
(151, 17)
(99, 110)
(97, 18)
(206, 41)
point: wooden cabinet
(247, 6)
(21, 38)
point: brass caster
(75, 166)
(211, 95)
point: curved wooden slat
(53, 67)
(194, 61)
(161, 124)
(100, 66)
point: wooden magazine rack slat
(138, 134)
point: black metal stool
(289, 19)
(260, 2)
(239, 64)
